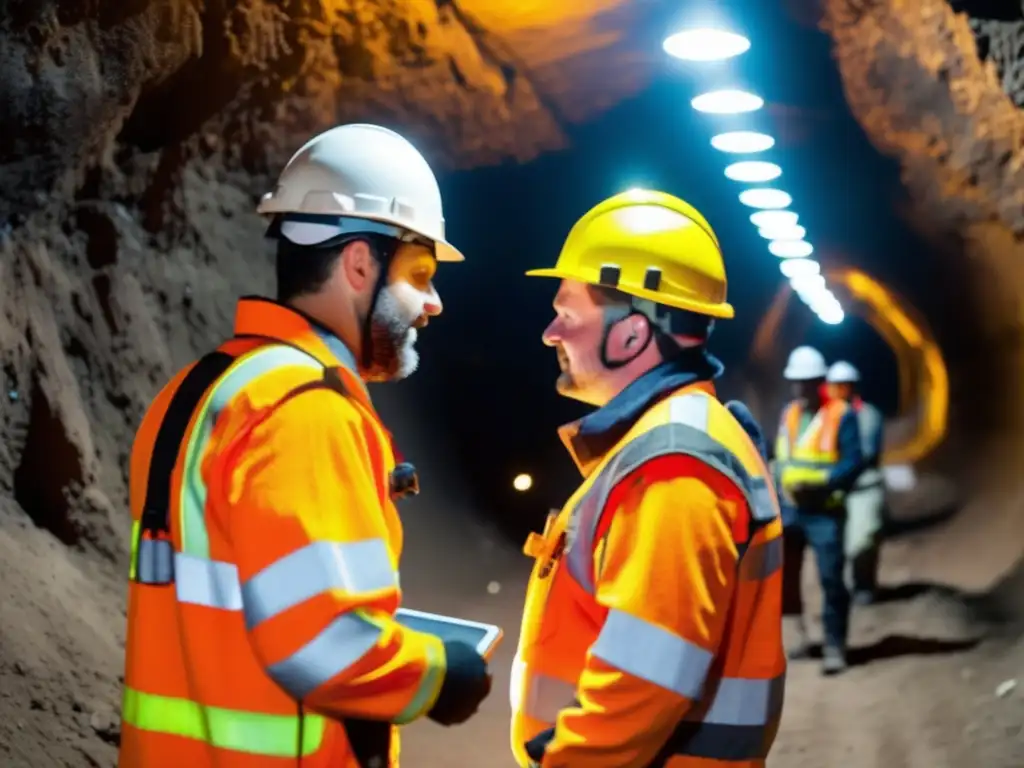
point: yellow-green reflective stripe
(250, 732)
(133, 563)
(194, 538)
(430, 686)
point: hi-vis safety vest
(727, 698)
(808, 457)
(225, 670)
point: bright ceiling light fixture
(782, 232)
(799, 268)
(832, 314)
(752, 171)
(705, 44)
(810, 286)
(765, 198)
(774, 218)
(790, 249)
(726, 102)
(742, 142)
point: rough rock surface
(137, 136)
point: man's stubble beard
(392, 336)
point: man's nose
(432, 306)
(552, 334)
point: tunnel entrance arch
(920, 424)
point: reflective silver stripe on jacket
(652, 653)
(545, 696)
(736, 722)
(336, 648)
(686, 433)
(357, 567)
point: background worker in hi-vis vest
(652, 631)
(817, 459)
(865, 503)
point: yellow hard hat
(651, 245)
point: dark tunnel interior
(137, 141)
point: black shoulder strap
(171, 435)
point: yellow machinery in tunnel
(923, 379)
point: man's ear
(628, 337)
(359, 266)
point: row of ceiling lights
(774, 219)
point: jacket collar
(591, 437)
(267, 319)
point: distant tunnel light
(799, 268)
(832, 314)
(705, 44)
(811, 289)
(522, 482)
(774, 219)
(752, 171)
(782, 232)
(742, 142)
(726, 102)
(790, 249)
(765, 198)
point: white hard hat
(352, 175)
(805, 363)
(842, 372)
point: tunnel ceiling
(475, 81)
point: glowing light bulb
(753, 171)
(765, 198)
(705, 44)
(727, 102)
(522, 482)
(790, 249)
(742, 142)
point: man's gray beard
(392, 355)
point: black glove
(466, 683)
(809, 496)
(535, 747)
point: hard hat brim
(792, 376)
(443, 250)
(722, 311)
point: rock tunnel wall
(937, 85)
(135, 138)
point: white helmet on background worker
(805, 364)
(358, 178)
(842, 372)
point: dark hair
(304, 269)
(673, 321)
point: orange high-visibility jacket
(652, 633)
(279, 622)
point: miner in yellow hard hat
(652, 631)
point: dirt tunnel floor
(922, 691)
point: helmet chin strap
(383, 253)
(658, 331)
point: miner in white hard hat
(817, 460)
(865, 503)
(281, 549)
